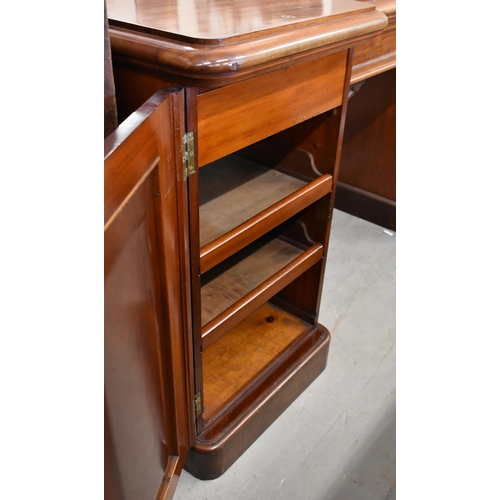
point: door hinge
(324, 210)
(197, 405)
(188, 150)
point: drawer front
(232, 117)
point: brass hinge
(324, 210)
(188, 150)
(197, 404)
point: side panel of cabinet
(367, 175)
(148, 392)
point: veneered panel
(132, 341)
(146, 349)
(235, 116)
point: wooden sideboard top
(216, 39)
(219, 22)
(388, 7)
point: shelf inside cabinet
(240, 200)
(245, 354)
(245, 281)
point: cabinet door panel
(146, 415)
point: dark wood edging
(205, 61)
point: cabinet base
(217, 448)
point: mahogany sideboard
(220, 183)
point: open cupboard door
(148, 418)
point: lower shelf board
(222, 443)
(238, 358)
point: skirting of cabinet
(219, 446)
(366, 205)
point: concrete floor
(337, 441)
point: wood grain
(236, 359)
(237, 276)
(375, 56)
(267, 73)
(241, 200)
(220, 22)
(367, 176)
(110, 112)
(263, 106)
(233, 190)
(368, 159)
(262, 292)
(246, 419)
(379, 53)
(146, 346)
(214, 59)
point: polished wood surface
(220, 22)
(369, 151)
(224, 45)
(217, 448)
(236, 277)
(146, 347)
(272, 73)
(241, 200)
(134, 88)
(317, 138)
(379, 53)
(262, 106)
(367, 175)
(239, 357)
(234, 190)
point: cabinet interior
(263, 221)
(246, 354)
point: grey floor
(337, 441)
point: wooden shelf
(244, 282)
(254, 410)
(241, 200)
(244, 354)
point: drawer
(235, 116)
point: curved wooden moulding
(378, 54)
(214, 54)
(241, 200)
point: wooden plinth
(219, 446)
